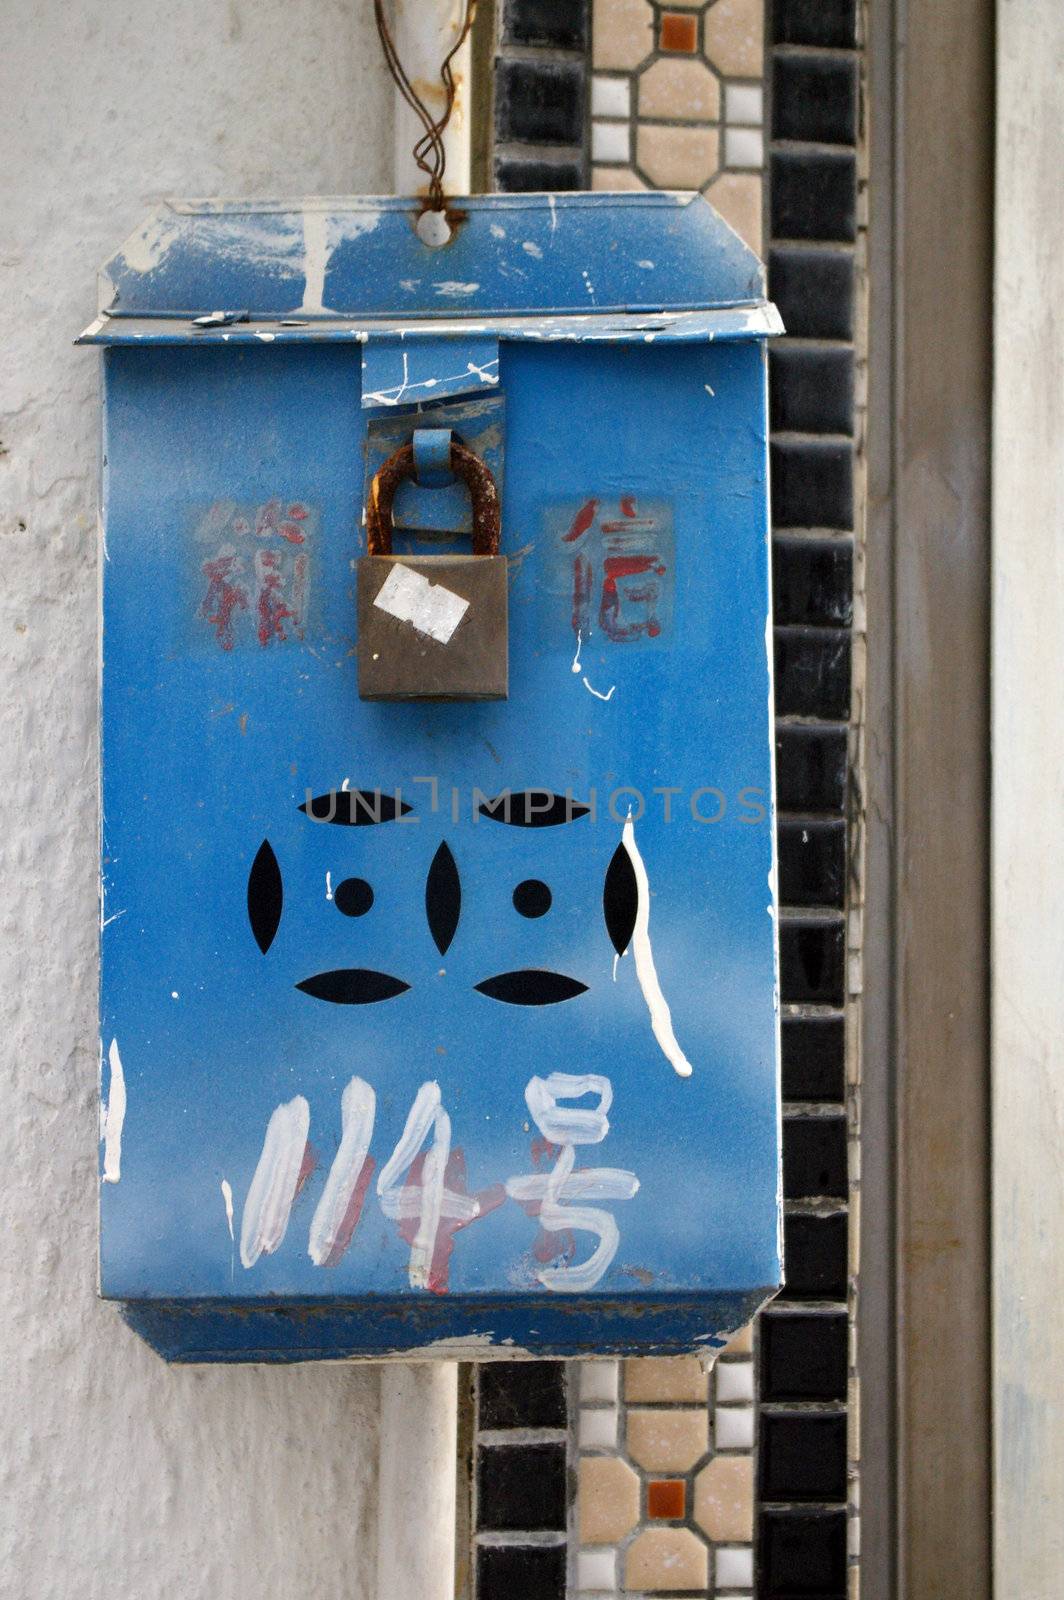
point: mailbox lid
(359, 259)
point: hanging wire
(429, 151)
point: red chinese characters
(257, 573)
(621, 570)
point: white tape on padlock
(428, 607)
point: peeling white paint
(532, 249)
(315, 259)
(149, 246)
(657, 1005)
(451, 286)
(114, 1117)
(273, 1188)
(430, 608)
(358, 1108)
(227, 1200)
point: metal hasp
(440, 1028)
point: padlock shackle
(465, 465)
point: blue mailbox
(437, 1025)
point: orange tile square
(666, 1499)
(679, 33)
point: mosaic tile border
(664, 1501)
(677, 102)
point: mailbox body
(398, 1054)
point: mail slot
(440, 1022)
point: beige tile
(735, 37)
(664, 1378)
(677, 158)
(741, 1343)
(667, 1441)
(622, 33)
(737, 196)
(724, 1499)
(614, 178)
(607, 1500)
(676, 88)
(667, 1559)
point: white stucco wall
(120, 1477)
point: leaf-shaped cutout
(620, 899)
(443, 898)
(265, 896)
(353, 986)
(531, 986)
(532, 808)
(355, 808)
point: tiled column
(806, 1542)
(743, 1483)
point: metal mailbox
(437, 1025)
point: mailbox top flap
(569, 266)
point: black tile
(812, 483)
(812, 954)
(561, 24)
(810, 768)
(539, 102)
(514, 176)
(811, 390)
(520, 1572)
(812, 863)
(813, 291)
(814, 1158)
(521, 1487)
(814, 98)
(802, 1553)
(812, 581)
(522, 1394)
(813, 673)
(814, 195)
(815, 1250)
(803, 1357)
(824, 22)
(803, 1456)
(814, 1058)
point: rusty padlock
(433, 627)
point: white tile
(610, 97)
(743, 147)
(598, 1429)
(735, 1380)
(596, 1570)
(743, 102)
(598, 1380)
(733, 1427)
(734, 1568)
(611, 141)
